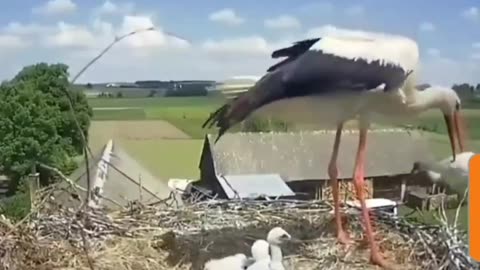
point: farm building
(260, 161)
(120, 177)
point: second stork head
(448, 101)
(278, 236)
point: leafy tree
(36, 124)
(152, 93)
(119, 94)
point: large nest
(161, 237)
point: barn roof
(305, 155)
(122, 175)
(254, 185)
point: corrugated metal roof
(305, 155)
(252, 186)
(123, 181)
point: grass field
(167, 158)
(187, 114)
(162, 148)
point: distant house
(301, 161)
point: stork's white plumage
(233, 262)
(275, 238)
(260, 250)
(447, 174)
(333, 79)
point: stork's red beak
(460, 129)
(455, 131)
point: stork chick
(275, 238)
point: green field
(187, 114)
(168, 158)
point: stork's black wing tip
(296, 49)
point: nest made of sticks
(163, 237)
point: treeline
(466, 91)
(157, 88)
(187, 90)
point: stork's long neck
(424, 100)
(276, 257)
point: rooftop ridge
(323, 131)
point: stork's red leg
(342, 235)
(358, 178)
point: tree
(36, 124)
(119, 94)
(152, 93)
(464, 90)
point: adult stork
(339, 78)
(445, 174)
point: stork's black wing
(315, 73)
(298, 48)
(422, 87)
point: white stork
(274, 260)
(446, 174)
(340, 78)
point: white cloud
(109, 7)
(12, 42)
(476, 45)
(245, 45)
(56, 7)
(71, 36)
(226, 16)
(17, 28)
(157, 55)
(426, 27)
(472, 13)
(332, 30)
(355, 10)
(157, 38)
(433, 52)
(282, 22)
(102, 32)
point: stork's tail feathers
(219, 119)
(265, 90)
(231, 89)
(213, 116)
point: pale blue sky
(226, 38)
